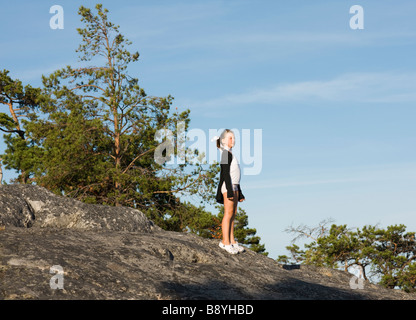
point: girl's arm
(226, 159)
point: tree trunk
(14, 116)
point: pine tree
(95, 139)
(21, 102)
(386, 256)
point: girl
(228, 191)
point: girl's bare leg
(233, 217)
(227, 225)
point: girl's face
(229, 140)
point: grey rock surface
(125, 257)
(33, 206)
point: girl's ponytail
(222, 136)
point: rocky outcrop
(33, 206)
(116, 253)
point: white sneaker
(229, 248)
(238, 247)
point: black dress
(226, 159)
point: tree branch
(19, 132)
(135, 159)
(180, 189)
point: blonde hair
(222, 136)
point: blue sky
(336, 106)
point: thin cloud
(384, 87)
(374, 174)
(291, 41)
(267, 185)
